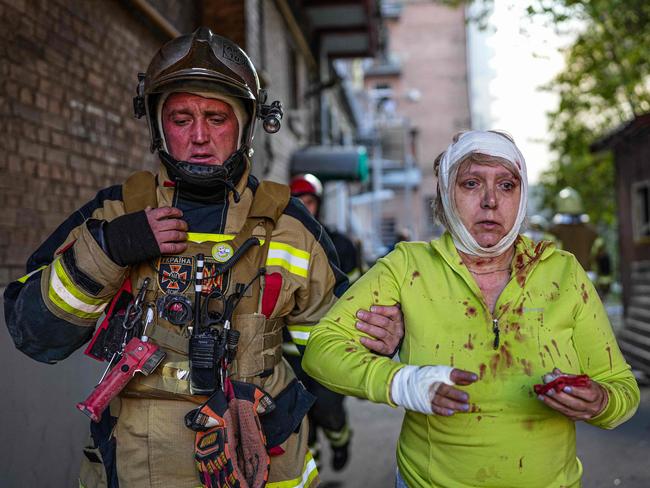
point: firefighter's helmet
(569, 202)
(306, 184)
(203, 62)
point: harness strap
(139, 192)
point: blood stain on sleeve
(609, 352)
(469, 344)
(413, 276)
(585, 295)
(351, 297)
(541, 355)
(567, 358)
(470, 312)
(451, 360)
(351, 349)
(481, 370)
(521, 463)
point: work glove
(127, 240)
(230, 447)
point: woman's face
(487, 199)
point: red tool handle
(136, 354)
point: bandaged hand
(430, 389)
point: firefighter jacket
(548, 315)
(70, 281)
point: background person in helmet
(537, 229)
(328, 412)
(309, 190)
(571, 226)
(202, 99)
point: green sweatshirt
(548, 315)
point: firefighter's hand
(575, 402)
(385, 324)
(168, 228)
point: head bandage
(491, 144)
(236, 105)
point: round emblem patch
(222, 252)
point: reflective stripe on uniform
(309, 472)
(290, 349)
(26, 277)
(200, 237)
(299, 333)
(65, 295)
(288, 257)
(338, 438)
(354, 275)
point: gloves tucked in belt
(230, 447)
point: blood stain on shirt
(469, 344)
(548, 351)
(556, 348)
(528, 366)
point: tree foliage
(606, 82)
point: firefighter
(328, 412)
(537, 229)
(201, 99)
(571, 226)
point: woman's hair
(438, 211)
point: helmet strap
(206, 183)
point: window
(641, 210)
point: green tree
(606, 83)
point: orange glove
(230, 447)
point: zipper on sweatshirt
(495, 330)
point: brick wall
(67, 77)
